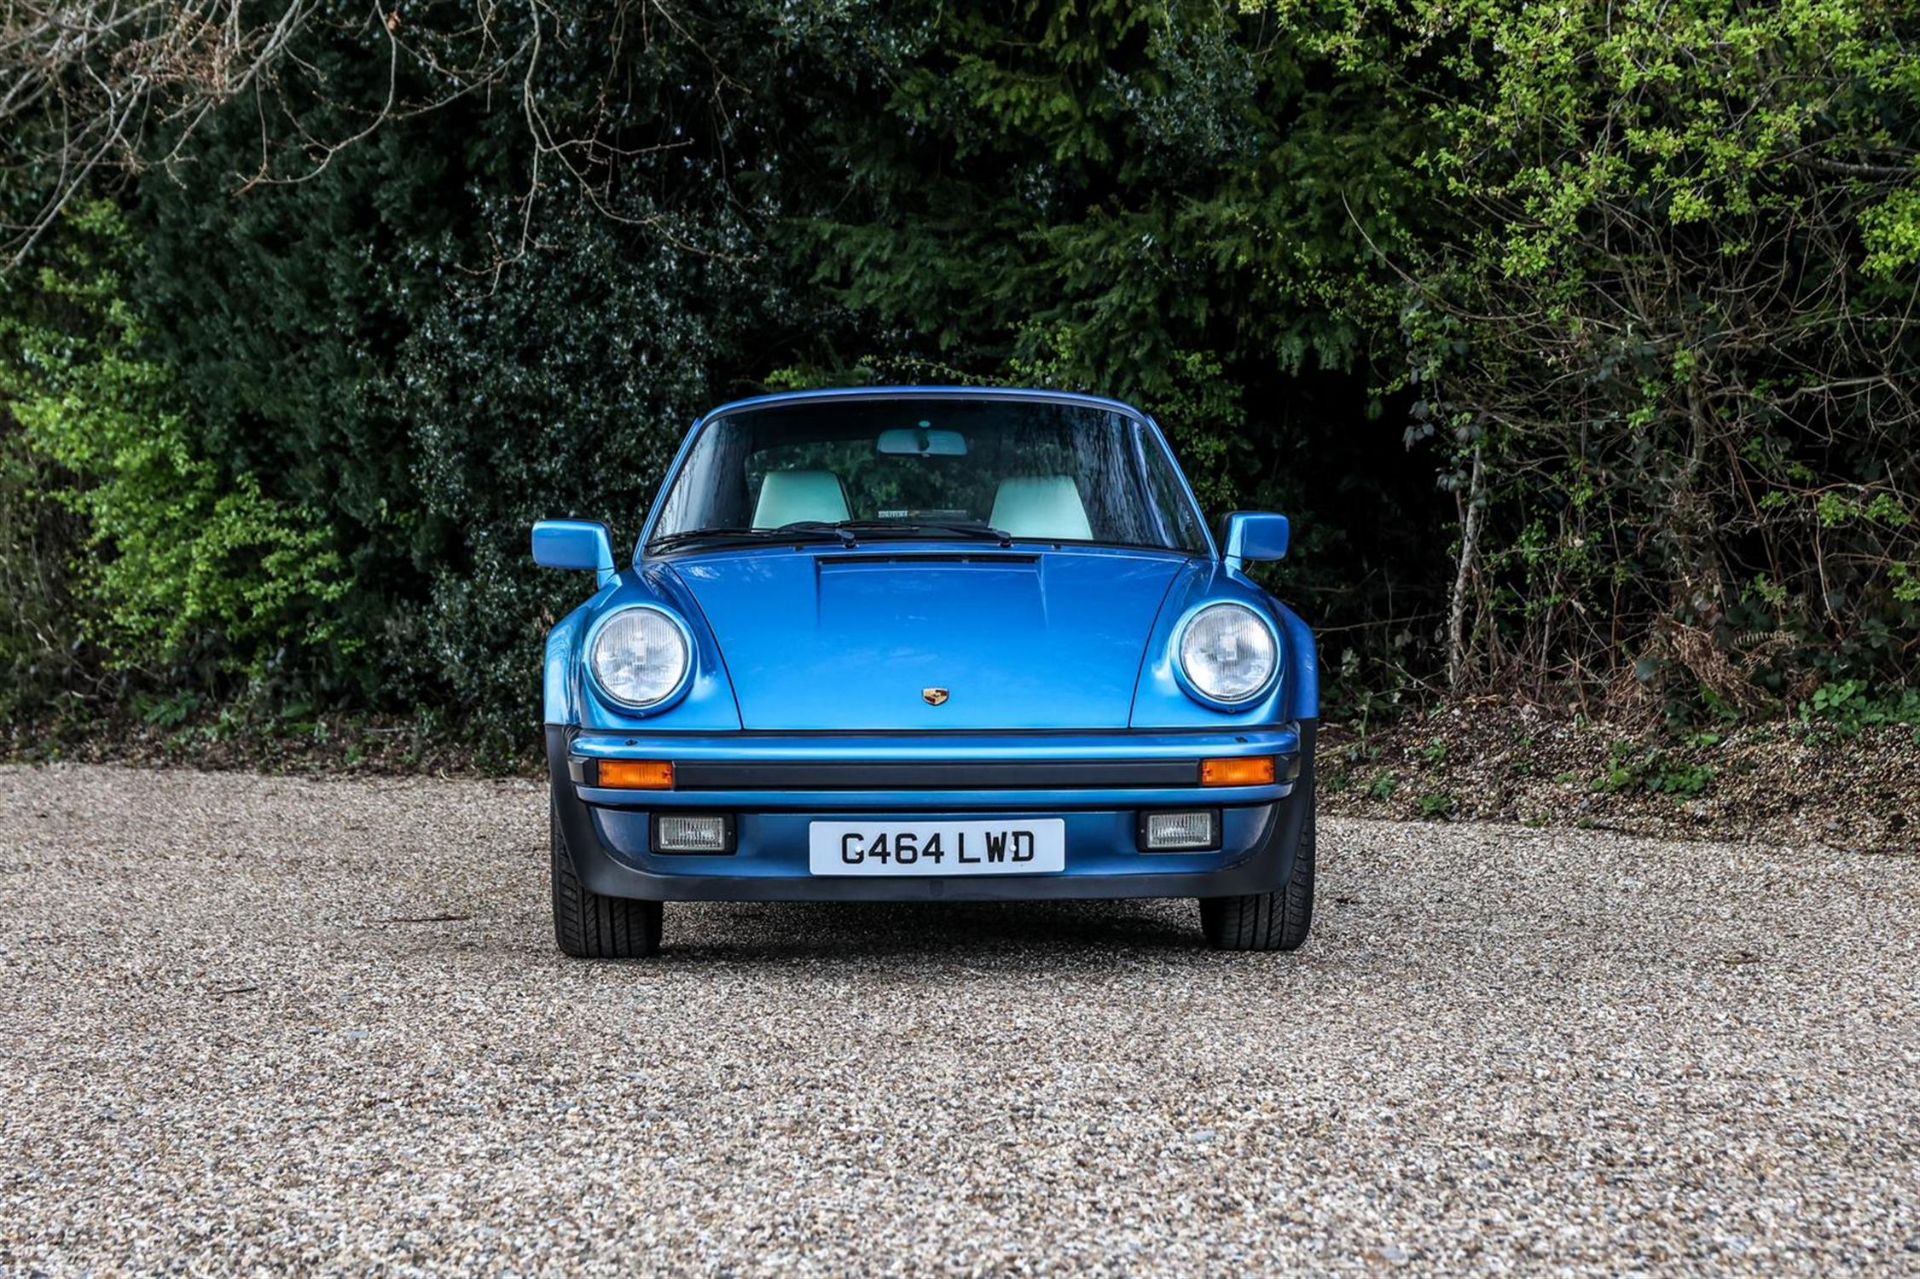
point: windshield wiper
(846, 532)
(911, 528)
(789, 533)
(822, 528)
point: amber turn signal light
(1255, 770)
(635, 774)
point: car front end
(894, 697)
(907, 817)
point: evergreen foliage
(1576, 338)
(185, 566)
(1681, 339)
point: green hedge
(1575, 339)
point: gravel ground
(273, 1023)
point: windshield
(936, 468)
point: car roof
(1038, 394)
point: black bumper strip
(1038, 775)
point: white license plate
(937, 848)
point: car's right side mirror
(1254, 536)
(581, 544)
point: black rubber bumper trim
(1263, 870)
(948, 734)
(946, 775)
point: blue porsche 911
(918, 644)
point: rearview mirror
(579, 544)
(920, 441)
(1253, 536)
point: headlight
(1228, 653)
(640, 656)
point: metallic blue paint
(835, 746)
(706, 704)
(559, 672)
(1303, 671)
(1161, 699)
(823, 639)
(820, 652)
(578, 544)
(1254, 536)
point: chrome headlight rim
(590, 645)
(1192, 687)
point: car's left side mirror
(1253, 536)
(579, 544)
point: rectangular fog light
(1179, 832)
(692, 833)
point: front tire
(1278, 920)
(588, 925)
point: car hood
(860, 640)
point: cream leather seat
(1042, 507)
(788, 497)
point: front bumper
(775, 784)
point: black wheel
(1278, 920)
(590, 926)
